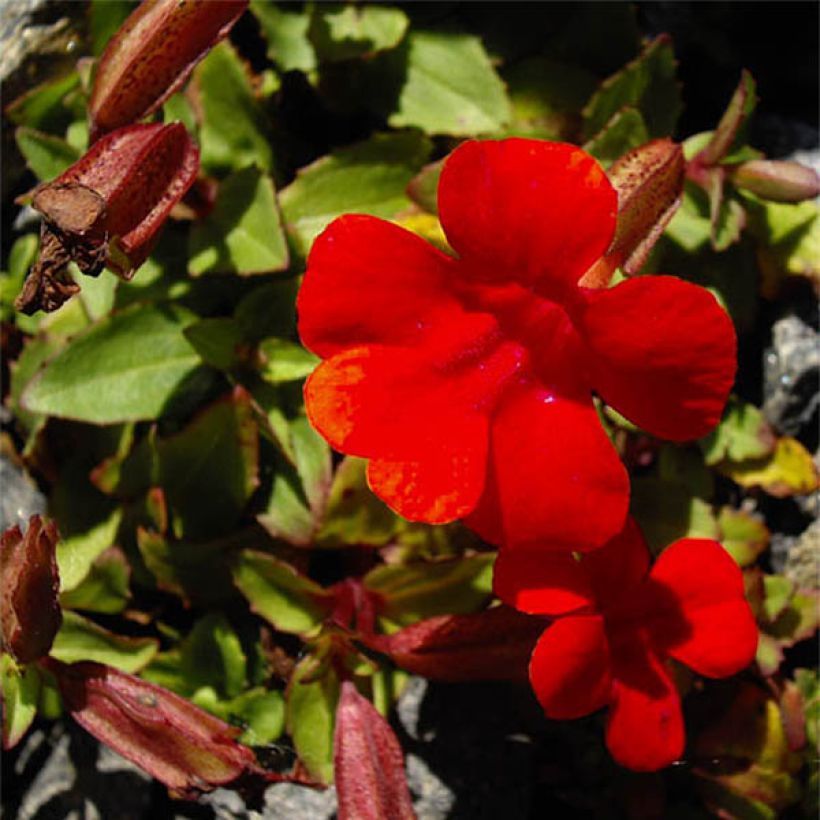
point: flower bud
(151, 56)
(29, 611)
(179, 744)
(777, 180)
(108, 208)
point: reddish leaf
(108, 208)
(737, 112)
(184, 747)
(491, 645)
(29, 610)
(152, 55)
(777, 180)
(368, 763)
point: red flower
(468, 381)
(620, 624)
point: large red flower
(620, 623)
(468, 381)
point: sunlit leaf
(105, 587)
(82, 640)
(345, 32)
(243, 234)
(47, 156)
(789, 470)
(743, 535)
(286, 30)
(21, 691)
(742, 434)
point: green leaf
(210, 468)
(126, 367)
(311, 717)
(647, 83)
(423, 590)
(197, 572)
(450, 87)
(286, 33)
(729, 135)
(369, 178)
(667, 511)
(234, 131)
(743, 535)
(263, 715)
(354, 514)
(46, 155)
(43, 107)
(105, 587)
(268, 310)
(36, 352)
(742, 434)
(624, 131)
(691, 226)
(211, 655)
(243, 234)
(807, 683)
(299, 495)
(82, 640)
(285, 361)
(345, 32)
(547, 97)
(777, 592)
(277, 593)
(77, 553)
(21, 691)
(104, 18)
(217, 341)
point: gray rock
(19, 498)
(792, 377)
(802, 561)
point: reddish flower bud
(179, 744)
(368, 763)
(29, 611)
(108, 208)
(491, 645)
(777, 180)
(152, 55)
(649, 182)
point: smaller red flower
(621, 622)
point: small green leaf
(647, 83)
(788, 470)
(354, 515)
(413, 592)
(125, 367)
(210, 468)
(743, 535)
(777, 592)
(311, 717)
(234, 131)
(370, 178)
(263, 715)
(667, 511)
(346, 32)
(77, 553)
(82, 640)
(691, 226)
(742, 434)
(211, 655)
(276, 592)
(624, 131)
(105, 588)
(287, 35)
(196, 572)
(243, 234)
(43, 107)
(286, 361)
(104, 18)
(21, 691)
(46, 155)
(268, 310)
(450, 87)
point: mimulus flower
(468, 381)
(620, 622)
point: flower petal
(527, 211)
(569, 668)
(701, 616)
(541, 583)
(444, 483)
(554, 480)
(663, 353)
(369, 281)
(625, 557)
(645, 726)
